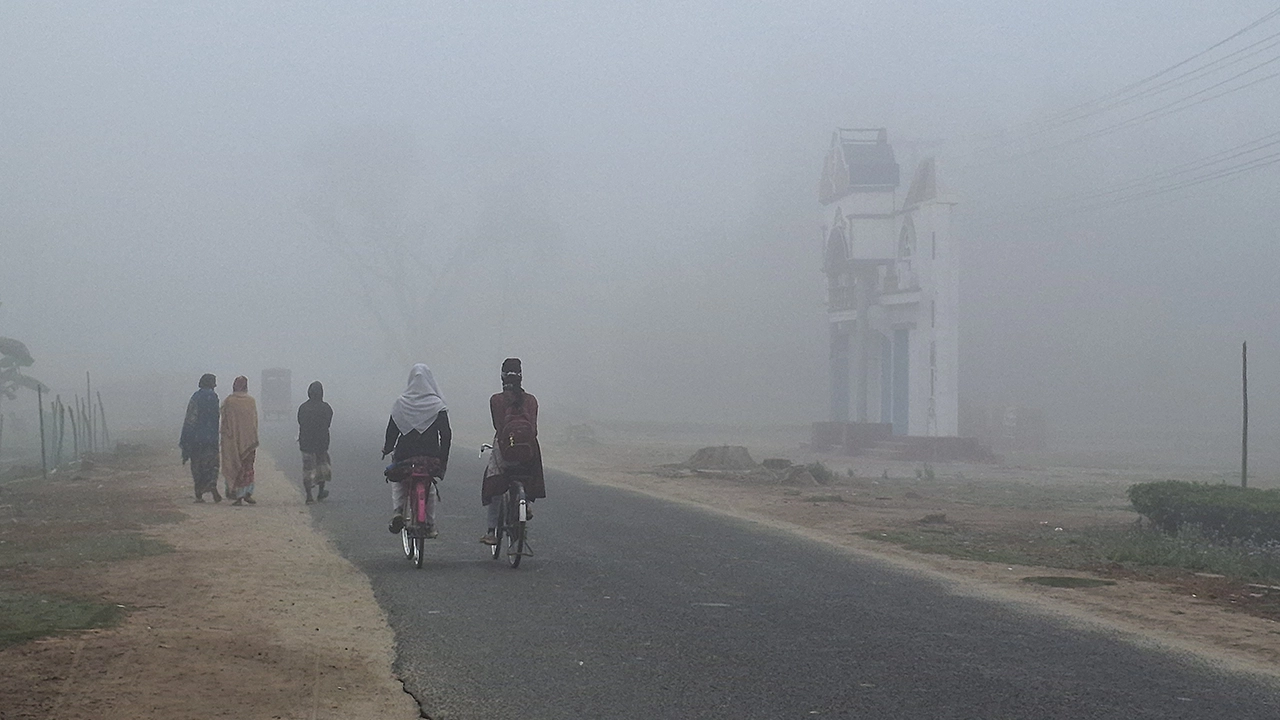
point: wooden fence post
(44, 456)
(106, 436)
(60, 428)
(75, 432)
(88, 403)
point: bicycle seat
(424, 464)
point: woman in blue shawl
(199, 441)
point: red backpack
(518, 435)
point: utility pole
(1244, 430)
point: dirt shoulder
(241, 612)
(875, 497)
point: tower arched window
(837, 254)
(907, 240)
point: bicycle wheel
(406, 540)
(419, 544)
(502, 520)
(515, 544)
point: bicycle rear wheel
(498, 531)
(419, 544)
(515, 544)
(406, 539)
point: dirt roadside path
(1145, 612)
(254, 615)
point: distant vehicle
(277, 394)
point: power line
(1208, 161)
(1255, 164)
(1172, 108)
(1140, 83)
(1220, 175)
(1183, 79)
(1217, 168)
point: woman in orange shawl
(239, 441)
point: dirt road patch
(241, 612)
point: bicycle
(421, 481)
(513, 518)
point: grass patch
(26, 616)
(1064, 581)
(1094, 548)
(1190, 551)
(1018, 495)
(70, 551)
(825, 498)
(956, 544)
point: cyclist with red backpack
(515, 446)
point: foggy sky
(634, 183)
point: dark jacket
(314, 417)
(434, 442)
(200, 427)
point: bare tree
(407, 247)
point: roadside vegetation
(1132, 549)
(1214, 542)
(56, 533)
(1226, 513)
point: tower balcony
(840, 297)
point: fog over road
(639, 608)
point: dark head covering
(240, 384)
(511, 380)
(511, 374)
(200, 427)
(314, 418)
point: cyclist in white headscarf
(419, 426)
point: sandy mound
(725, 457)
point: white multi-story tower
(892, 297)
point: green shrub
(1220, 512)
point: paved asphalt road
(638, 608)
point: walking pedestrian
(314, 418)
(239, 441)
(199, 440)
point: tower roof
(924, 186)
(859, 160)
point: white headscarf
(418, 407)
